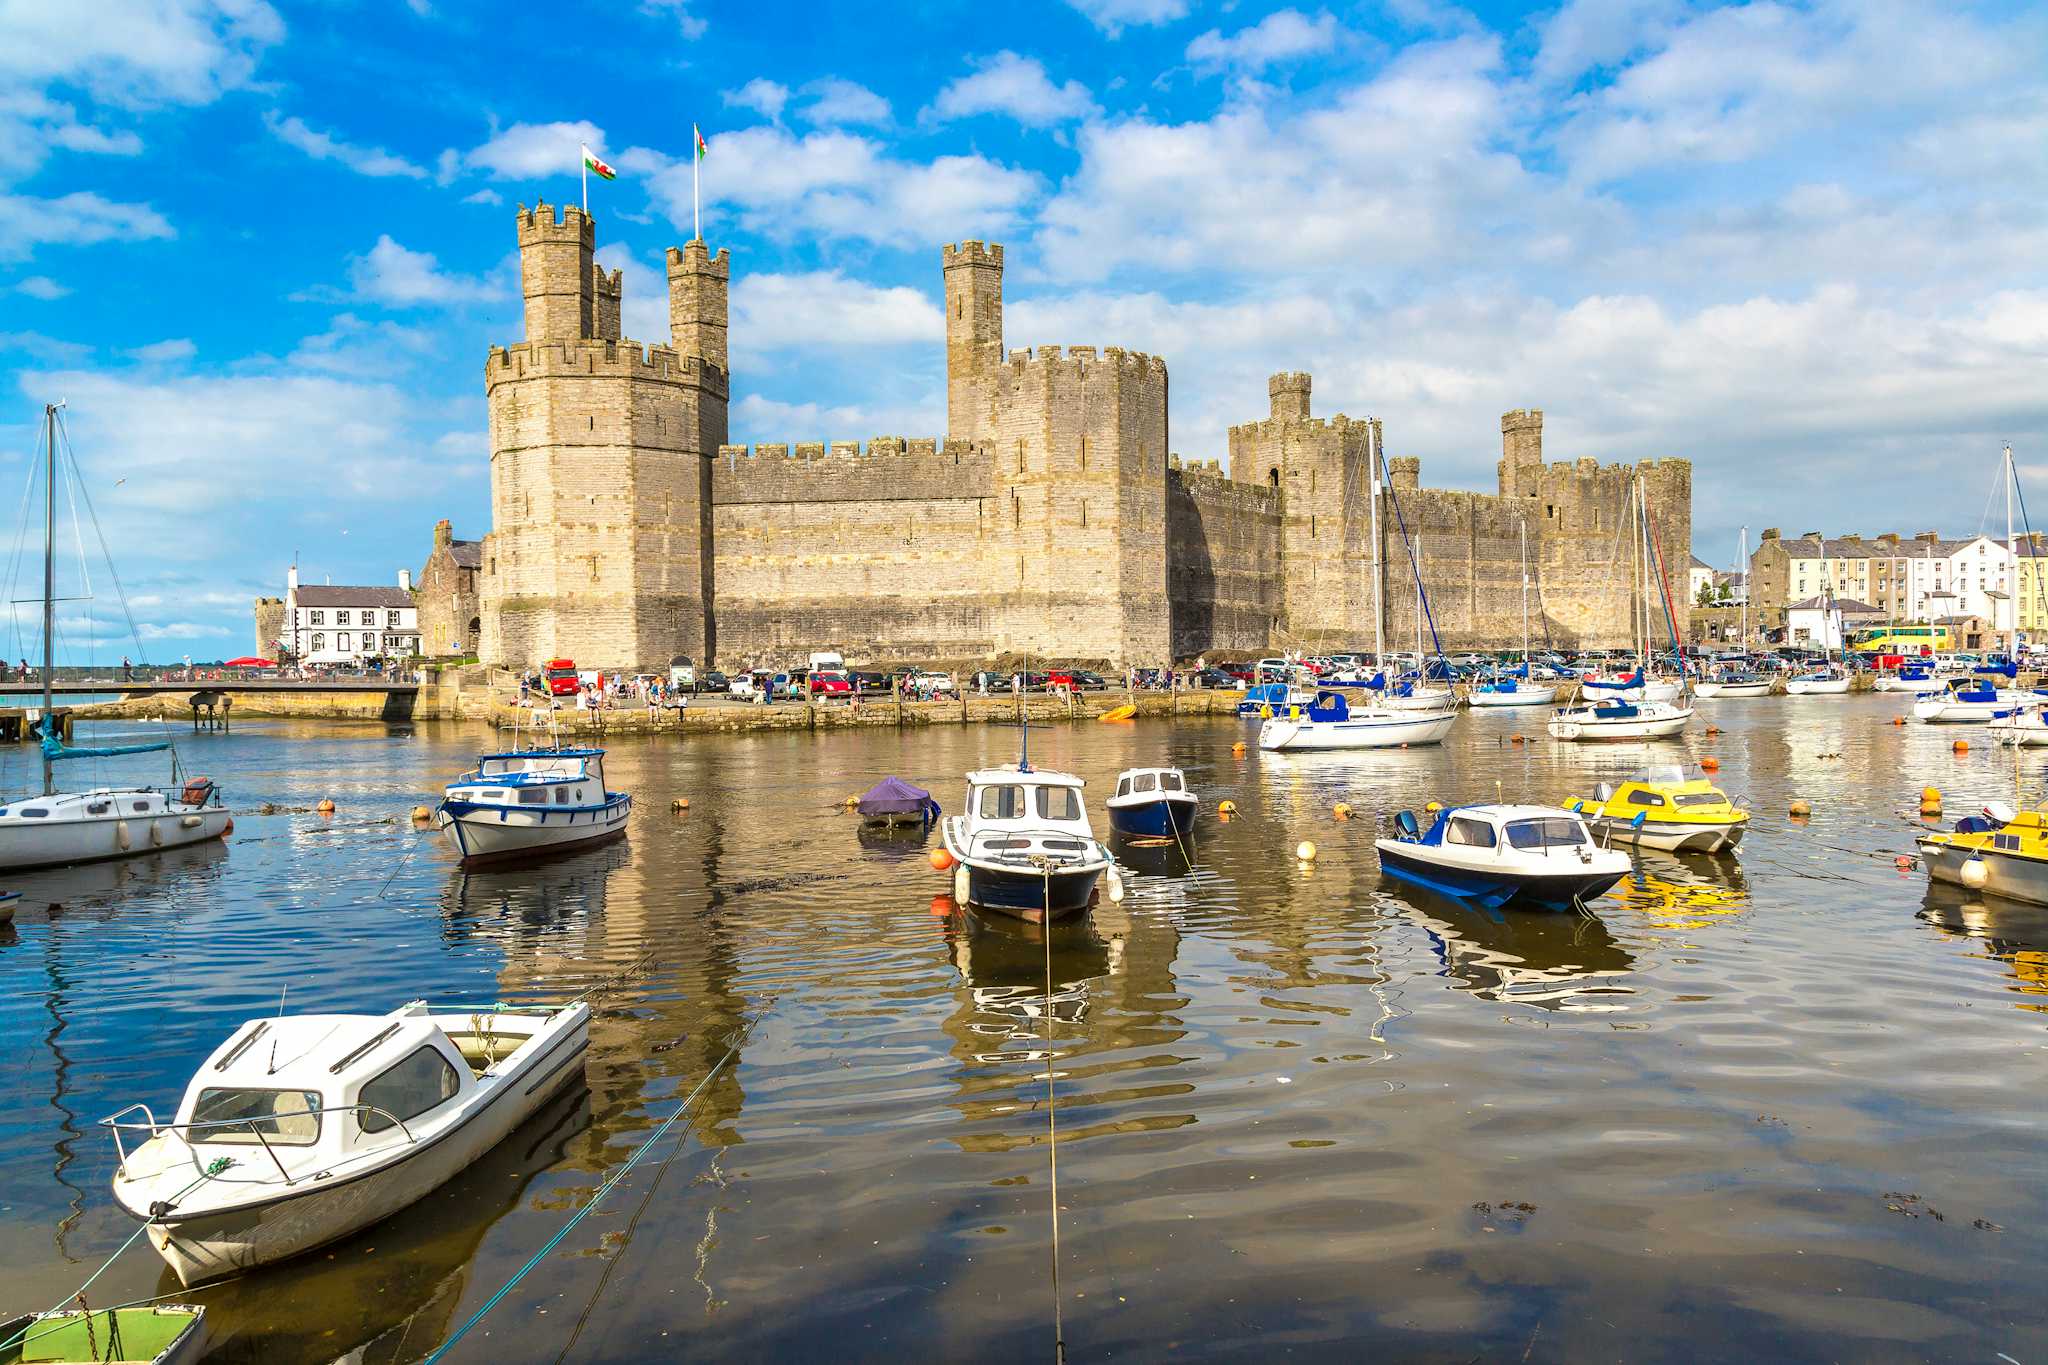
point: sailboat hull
(89, 827)
(1541, 694)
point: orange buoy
(1713, 729)
(1903, 863)
(1238, 748)
(1800, 810)
(941, 860)
(324, 806)
(1710, 764)
(681, 803)
(1518, 739)
(421, 814)
(1898, 720)
(1962, 746)
(1342, 810)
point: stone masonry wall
(1224, 572)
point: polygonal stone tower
(974, 333)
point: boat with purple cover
(893, 803)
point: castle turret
(555, 272)
(1406, 473)
(1289, 395)
(606, 293)
(697, 283)
(1521, 452)
(974, 332)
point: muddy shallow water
(1787, 1106)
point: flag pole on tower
(593, 162)
(696, 188)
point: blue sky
(261, 250)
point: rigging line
(746, 1026)
(71, 488)
(100, 532)
(14, 559)
(1052, 1131)
(2027, 525)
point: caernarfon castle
(1052, 519)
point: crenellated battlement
(972, 253)
(879, 447)
(562, 223)
(614, 359)
(696, 258)
(1082, 357)
(1272, 426)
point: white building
(1907, 580)
(327, 624)
(1699, 578)
(1821, 623)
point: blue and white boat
(1966, 701)
(1535, 857)
(1330, 723)
(1152, 803)
(1024, 845)
(1270, 699)
(1511, 687)
(531, 801)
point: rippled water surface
(1786, 1107)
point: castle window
(1084, 461)
(1084, 513)
(1273, 476)
(1551, 509)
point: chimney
(405, 580)
(443, 533)
(291, 581)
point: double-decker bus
(1902, 639)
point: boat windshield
(1700, 799)
(1059, 803)
(1550, 832)
(1660, 774)
(289, 1118)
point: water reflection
(2012, 932)
(1552, 960)
(1681, 891)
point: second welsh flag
(596, 166)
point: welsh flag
(703, 147)
(596, 166)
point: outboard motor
(1406, 827)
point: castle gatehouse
(1051, 519)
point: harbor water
(1785, 1106)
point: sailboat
(1513, 687)
(1621, 717)
(1826, 680)
(1728, 682)
(59, 828)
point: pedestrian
(124, 668)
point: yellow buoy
(1305, 851)
(421, 814)
(1930, 796)
(324, 806)
(1974, 874)
(1238, 748)
(1265, 712)
(1342, 810)
(1433, 807)
(1801, 809)
(851, 802)
(1226, 807)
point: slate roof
(333, 595)
(1847, 606)
(469, 554)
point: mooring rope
(611, 1181)
(1052, 1130)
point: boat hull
(1496, 889)
(208, 1246)
(1816, 687)
(1163, 818)
(1669, 836)
(1521, 696)
(482, 834)
(1581, 727)
(91, 839)
(1300, 735)
(1727, 689)
(1430, 699)
(2020, 879)
(1031, 895)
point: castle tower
(697, 283)
(1319, 467)
(1521, 452)
(1289, 395)
(1406, 473)
(606, 292)
(555, 272)
(599, 548)
(974, 333)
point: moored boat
(1152, 803)
(1818, 682)
(1024, 846)
(1733, 684)
(298, 1131)
(1666, 808)
(1619, 720)
(1964, 701)
(1535, 857)
(2003, 853)
(2025, 726)
(1266, 699)
(1507, 689)
(893, 803)
(1330, 723)
(160, 1334)
(527, 802)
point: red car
(560, 675)
(826, 683)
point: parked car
(1089, 682)
(1215, 678)
(711, 680)
(1238, 672)
(985, 681)
(748, 684)
(872, 683)
(827, 682)
(935, 683)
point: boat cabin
(534, 777)
(1660, 789)
(1013, 812)
(1526, 829)
(1150, 783)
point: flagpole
(696, 192)
(585, 163)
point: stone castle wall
(1224, 569)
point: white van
(828, 661)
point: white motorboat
(1619, 720)
(60, 828)
(1733, 685)
(1152, 803)
(1965, 701)
(1413, 692)
(1497, 856)
(1508, 690)
(1330, 723)
(1824, 682)
(1023, 845)
(1911, 677)
(531, 801)
(299, 1131)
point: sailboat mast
(1379, 610)
(49, 576)
(2012, 556)
(1523, 527)
(1742, 566)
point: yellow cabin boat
(2002, 852)
(1666, 808)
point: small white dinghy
(1330, 723)
(529, 802)
(1619, 720)
(300, 1131)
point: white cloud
(825, 308)
(485, 196)
(680, 11)
(41, 287)
(366, 350)
(1113, 16)
(763, 96)
(756, 419)
(32, 126)
(833, 101)
(1281, 36)
(1014, 85)
(46, 349)
(81, 218)
(135, 53)
(167, 352)
(393, 275)
(527, 150)
(370, 161)
(834, 184)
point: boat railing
(1018, 845)
(114, 1123)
